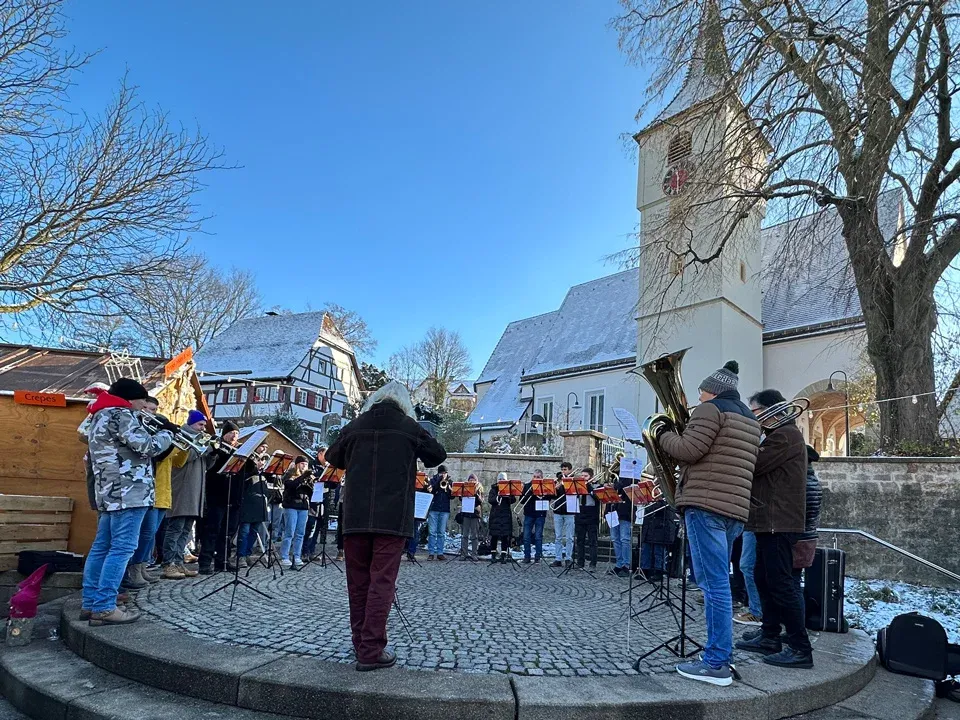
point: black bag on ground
(953, 659)
(913, 644)
(823, 590)
(59, 561)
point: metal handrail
(891, 546)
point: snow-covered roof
(265, 347)
(807, 278)
(516, 350)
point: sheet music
(421, 504)
(541, 505)
(251, 443)
(631, 468)
(613, 519)
(628, 424)
(639, 518)
(469, 504)
(573, 503)
(588, 501)
(318, 490)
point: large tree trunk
(900, 313)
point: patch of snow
(871, 604)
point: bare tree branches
(83, 205)
(435, 362)
(353, 328)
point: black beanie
(229, 426)
(128, 389)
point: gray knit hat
(723, 379)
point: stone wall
(913, 503)
(486, 466)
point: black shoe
(503, 558)
(556, 563)
(206, 570)
(752, 634)
(579, 566)
(762, 645)
(790, 658)
(569, 563)
(621, 572)
(386, 659)
(593, 566)
(410, 557)
(527, 561)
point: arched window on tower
(680, 148)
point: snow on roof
(516, 350)
(264, 347)
(807, 278)
(596, 323)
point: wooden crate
(30, 522)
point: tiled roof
(264, 347)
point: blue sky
(426, 163)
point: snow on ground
(872, 604)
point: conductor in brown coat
(716, 453)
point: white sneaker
(285, 563)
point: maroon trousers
(373, 562)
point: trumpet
(445, 484)
(181, 439)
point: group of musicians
(575, 508)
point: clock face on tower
(675, 180)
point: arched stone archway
(824, 425)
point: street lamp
(576, 406)
(846, 408)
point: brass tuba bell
(663, 374)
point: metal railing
(609, 449)
(889, 546)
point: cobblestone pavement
(463, 616)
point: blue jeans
(563, 543)
(437, 525)
(148, 535)
(622, 537)
(113, 546)
(711, 538)
(533, 526)
(294, 527)
(748, 560)
(276, 519)
(175, 540)
(415, 540)
(246, 537)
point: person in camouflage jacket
(120, 450)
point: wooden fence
(29, 522)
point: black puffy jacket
(501, 514)
(814, 498)
(379, 451)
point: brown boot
(172, 572)
(117, 616)
(187, 572)
(85, 614)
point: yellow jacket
(165, 467)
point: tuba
(663, 374)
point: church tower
(700, 254)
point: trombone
(782, 413)
(181, 440)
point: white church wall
(619, 389)
(793, 365)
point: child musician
(471, 523)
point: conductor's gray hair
(394, 392)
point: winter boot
(132, 580)
(149, 577)
(117, 616)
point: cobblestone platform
(463, 617)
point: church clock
(675, 180)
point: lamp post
(846, 408)
(576, 406)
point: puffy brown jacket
(780, 483)
(717, 453)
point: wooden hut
(42, 404)
(276, 440)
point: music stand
(232, 466)
(575, 487)
(464, 489)
(272, 561)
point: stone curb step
(258, 680)
(886, 697)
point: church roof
(267, 346)
(516, 350)
(807, 279)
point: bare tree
(441, 357)
(404, 367)
(353, 328)
(822, 103)
(84, 204)
(185, 306)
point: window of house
(243, 395)
(260, 394)
(323, 367)
(546, 410)
(233, 395)
(211, 398)
(594, 403)
(301, 397)
(273, 394)
(680, 147)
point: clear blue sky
(423, 163)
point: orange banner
(178, 362)
(29, 397)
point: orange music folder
(279, 463)
(607, 494)
(542, 488)
(574, 486)
(509, 488)
(423, 482)
(332, 475)
(464, 489)
(642, 493)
